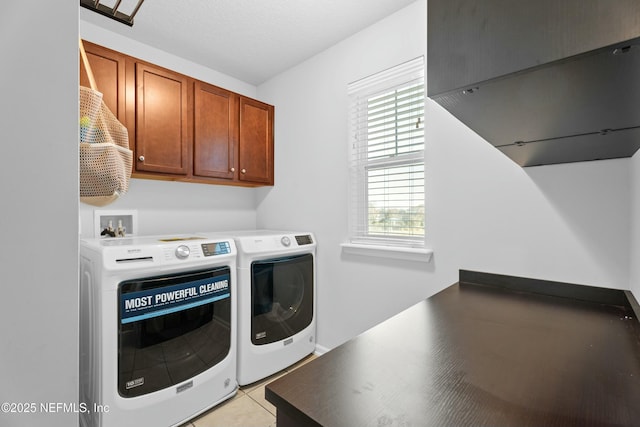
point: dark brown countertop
(479, 353)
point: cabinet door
(256, 141)
(108, 69)
(162, 139)
(215, 131)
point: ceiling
(251, 40)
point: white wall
(563, 222)
(634, 280)
(311, 175)
(128, 46)
(566, 222)
(166, 207)
(39, 181)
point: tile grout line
(261, 405)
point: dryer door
(281, 297)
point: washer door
(172, 328)
(281, 298)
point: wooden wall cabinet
(162, 122)
(108, 68)
(215, 132)
(183, 129)
(256, 141)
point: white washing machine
(157, 329)
(276, 301)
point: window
(386, 162)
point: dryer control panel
(265, 243)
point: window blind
(386, 157)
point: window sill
(389, 252)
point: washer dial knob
(183, 251)
(285, 241)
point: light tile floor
(248, 408)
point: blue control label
(135, 306)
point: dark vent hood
(581, 108)
(577, 107)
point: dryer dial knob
(285, 241)
(183, 251)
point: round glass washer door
(282, 297)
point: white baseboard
(320, 350)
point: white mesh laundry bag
(105, 157)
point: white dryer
(157, 329)
(276, 301)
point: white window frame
(360, 240)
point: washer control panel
(217, 248)
(304, 239)
(135, 252)
(196, 250)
